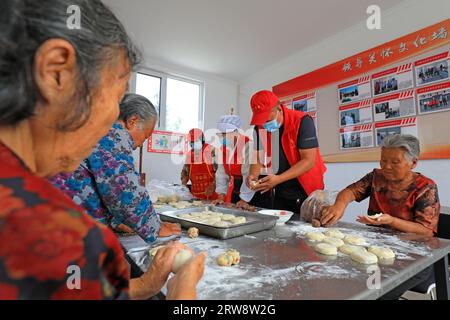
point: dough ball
(316, 223)
(349, 249)
(374, 216)
(326, 249)
(185, 216)
(334, 233)
(181, 258)
(192, 233)
(383, 253)
(221, 224)
(228, 217)
(224, 260)
(364, 257)
(197, 203)
(315, 236)
(355, 240)
(173, 204)
(239, 220)
(334, 241)
(235, 255)
(173, 198)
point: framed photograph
(356, 137)
(355, 90)
(392, 80)
(401, 126)
(167, 142)
(432, 69)
(435, 98)
(305, 103)
(397, 105)
(356, 113)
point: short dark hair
(26, 24)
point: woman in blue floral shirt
(107, 184)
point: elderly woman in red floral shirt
(408, 200)
(60, 90)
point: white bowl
(282, 215)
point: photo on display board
(395, 106)
(393, 80)
(383, 133)
(354, 90)
(356, 113)
(398, 126)
(356, 137)
(350, 117)
(434, 98)
(432, 69)
(300, 105)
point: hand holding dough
(180, 259)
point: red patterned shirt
(47, 243)
(418, 202)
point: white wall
(220, 96)
(408, 17)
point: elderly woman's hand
(384, 219)
(183, 285)
(332, 214)
(151, 282)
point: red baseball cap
(195, 134)
(262, 104)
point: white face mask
(198, 145)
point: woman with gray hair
(408, 201)
(107, 185)
(60, 88)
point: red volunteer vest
(234, 169)
(201, 174)
(313, 179)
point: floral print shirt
(419, 202)
(107, 186)
(50, 248)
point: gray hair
(137, 105)
(26, 24)
(409, 143)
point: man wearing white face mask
(199, 167)
(288, 138)
(233, 163)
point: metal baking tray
(255, 222)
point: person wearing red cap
(287, 140)
(199, 167)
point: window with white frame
(178, 100)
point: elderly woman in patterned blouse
(107, 185)
(408, 200)
(59, 94)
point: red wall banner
(369, 60)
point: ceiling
(235, 38)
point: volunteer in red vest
(199, 167)
(233, 165)
(296, 167)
